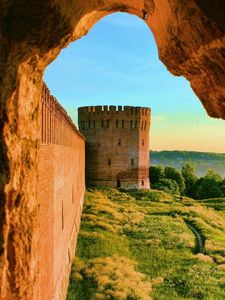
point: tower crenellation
(108, 109)
(118, 117)
(117, 145)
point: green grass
(216, 203)
(137, 245)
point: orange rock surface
(191, 43)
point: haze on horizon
(117, 64)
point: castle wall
(115, 155)
(61, 190)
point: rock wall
(117, 145)
(60, 194)
(190, 36)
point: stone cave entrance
(190, 36)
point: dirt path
(199, 240)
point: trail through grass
(137, 245)
(200, 241)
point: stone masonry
(61, 188)
(117, 145)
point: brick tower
(117, 145)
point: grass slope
(142, 245)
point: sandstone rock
(191, 43)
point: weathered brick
(61, 190)
(117, 145)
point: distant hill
(201, 160)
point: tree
(211, 174)
(168, 185)
(171, 173)
(209, 186)
(222, 186)
(188, 173)
(156, 174)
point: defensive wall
(60, 193)
(117, 145)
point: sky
(117, 63)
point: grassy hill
(201, 160)
(149, 245)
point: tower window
(122, 123)
(136, 123)
(142, 125)
(132, 161)
(102, 123)
(119, 143)
(142, 182)
(94, 124)
(143, 142)
(145, 125)
(109, 162)
(131, 124)
(117, 123)
(107, 123)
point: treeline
(186, 183)
(202, 161)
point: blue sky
(117, 63)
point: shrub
(153, 196)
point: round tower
(117, 145)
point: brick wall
(117, 145)
(61, 191)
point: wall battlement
(56, 124)
(112, 109)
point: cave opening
(117, 63)
(31, 38)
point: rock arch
(191, 43)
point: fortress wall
(61, 190)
